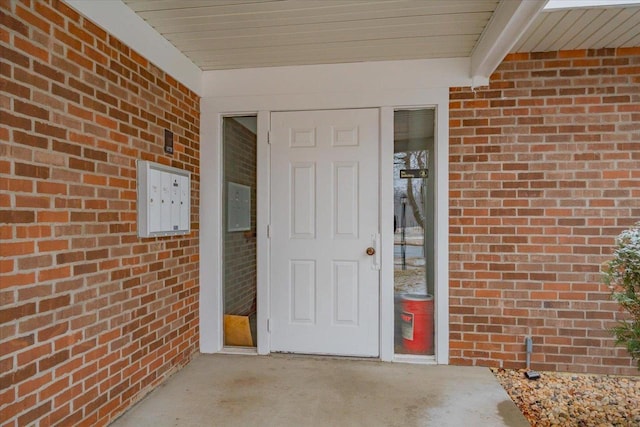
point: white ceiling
(588, 28)
(232, 34)
(228, 34)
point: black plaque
(414, 173)
(168, 141)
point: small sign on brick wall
(168, 141)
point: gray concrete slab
(237, 390)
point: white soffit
(235, 34)
(573, 4)
(583, 28)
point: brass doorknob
(370, 251)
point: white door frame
(321, 88)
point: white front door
(324, 210)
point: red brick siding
(240, 269)
(92, 317)
(544, 173)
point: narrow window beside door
(414, 210)
(239, 231)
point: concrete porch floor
(284, 390)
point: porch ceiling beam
(508, 23)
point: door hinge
(269, 137)
(268, 231)
(268, 325)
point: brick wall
(239, 246)
(544, 173)
(92, 317)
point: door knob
(370, 251)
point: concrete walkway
(283, 390)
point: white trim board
(354, 79)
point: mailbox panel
(164, 200)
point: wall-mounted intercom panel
(164, 200)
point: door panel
(303, 291)
(303, 200)
(324, 210)
(346, 284)
(345, 181)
